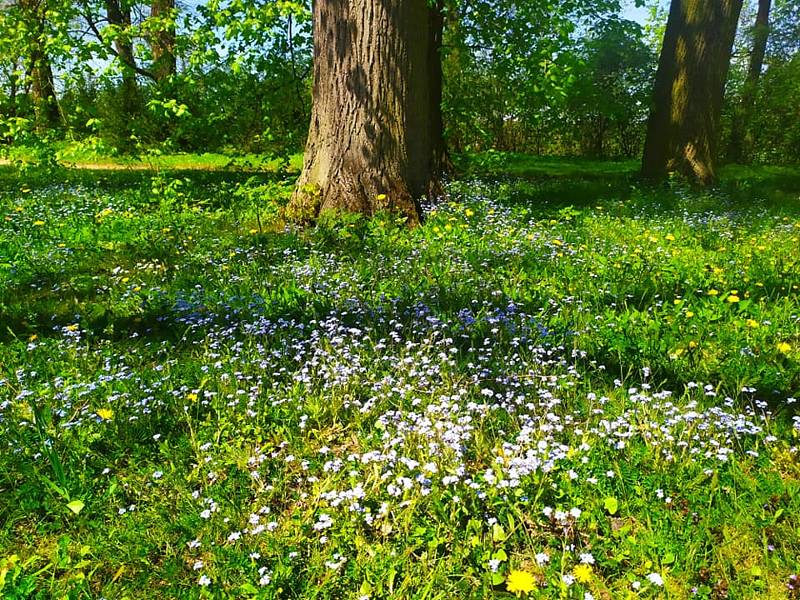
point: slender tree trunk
(13, 87)
(38, 69)
(120, 16)
(683, 129)
(43, 89)
(162, 44)
(599, 137)
(741, 135)
(375, 141)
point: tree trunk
(162, 44)
(13, 85)
(741, 138)
(38, 69)
(375, 140)
(43, 90)
(683, 129)
(121, 17)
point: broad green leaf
(611, 505)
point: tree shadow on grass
(548, 184)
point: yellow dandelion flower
(784, 348)
(733, 299)
(582, 573)
(469, 212)
(191, 397)
(713, 292)
(752, 323)
(520, 582)
(105, 413)
(38, 223)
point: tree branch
(110, 48)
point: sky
(630, 11)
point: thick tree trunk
(120, 16)
(162, 44)
(683, 129)
(375, 141)
(741, 138)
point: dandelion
(784, 347)
(520, 582)
(106, 414)
(582, 573)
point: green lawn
(563, 382)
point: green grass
(559, 368)
(80, 156)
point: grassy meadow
(563, 385)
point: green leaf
(611, 505)
(500, 555)
(498, 533)
(76, 506)
(248, 588)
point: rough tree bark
(375, 141)
(683, 128)
(162, 44)
(741, 135)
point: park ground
(564, 384)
